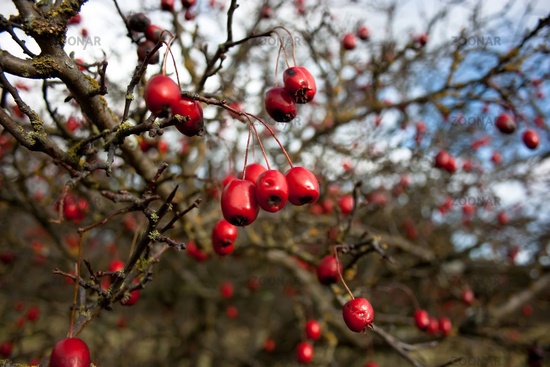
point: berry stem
(340, 272)
(291, 42)
(161, 40)
(246, 152)
(260, 143)
(76, 284)
(169, 51)
(248, 115)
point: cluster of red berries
(431, 324)
(117, 265)
(169, 5)
(299, 87)
(507, 125)
(304, 350)
(141, 23)
(163, 98)
(268, 189)
(446, 161)
(75, 208)
(349, 41)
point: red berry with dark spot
(505, 123)
(327, 270)
(303, 186)
(304, 352)
(280, 105)
(224, 235)
(421, 319)
(70, 349)
(358, 314)
(349, 42)
(138, 22)
(531, 139)
(161, 93)
(253, 171)
(300, 84)
(239, 204)
(313, 329)
(187, 107)
(445, 326)
(272, 191)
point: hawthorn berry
(433, 326)
(6, 349)
(232, 312)
(188, 3)
(445, 326)
(421, 319)
(252, 172)
(70, 350)
(167, 5)
(195, 252)
(503, 218)
(327, 270)
(193, 110)
(303, 186)
(451, 164)
(496, 158)
(226, 290)
(300, 84)
(505, 123)
(161, 93)
(467, 296)
(224, 235)
(363, 33)
(75, 208)
(531, 139)
(33, 313)
(313, 329)
(304, 352)
(132, 300)
(153, 33)
(346, 204)
(358, 314)
(269, 345)
(227, 179)
(441, 159)
(271, 190)
(280, 105)
(143, 49)
(239, 204)
(138, 22)
(349, 42)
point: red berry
(280, 105)
(269, 345)
(531, 139)
(153, 33)
(7, 257)
(432, 326)
(527, 310)
(422, 319)
(138, 22)
(441, 159)
(224, 235)
(227, 179)
(161, 93)
(300, 84)
(496, 158)
(6, 348)
(232, 312)
(346, 204)
(451, 164)
(195, 252)
(33, 314)
(358, 314)
(189, 15)
(239, 203)
(226, 290)
(188, 3)
(132, 300)
(505, 123)
(143, 49)
(116, 265)
(193, 110)
(313, 329)
(371, 364)
(363, 33)
(253, 171)
(421, 39)
(349, 42)
(304, 352)
(468, 210)
(445, 326)
(72, 123)
(75, 19)
(74, 208)
(70, 352)
(271, 190)
(303, 186)
(467, 166)
(503, 218)
(327, 270)
(467, 296)
(167, 5)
